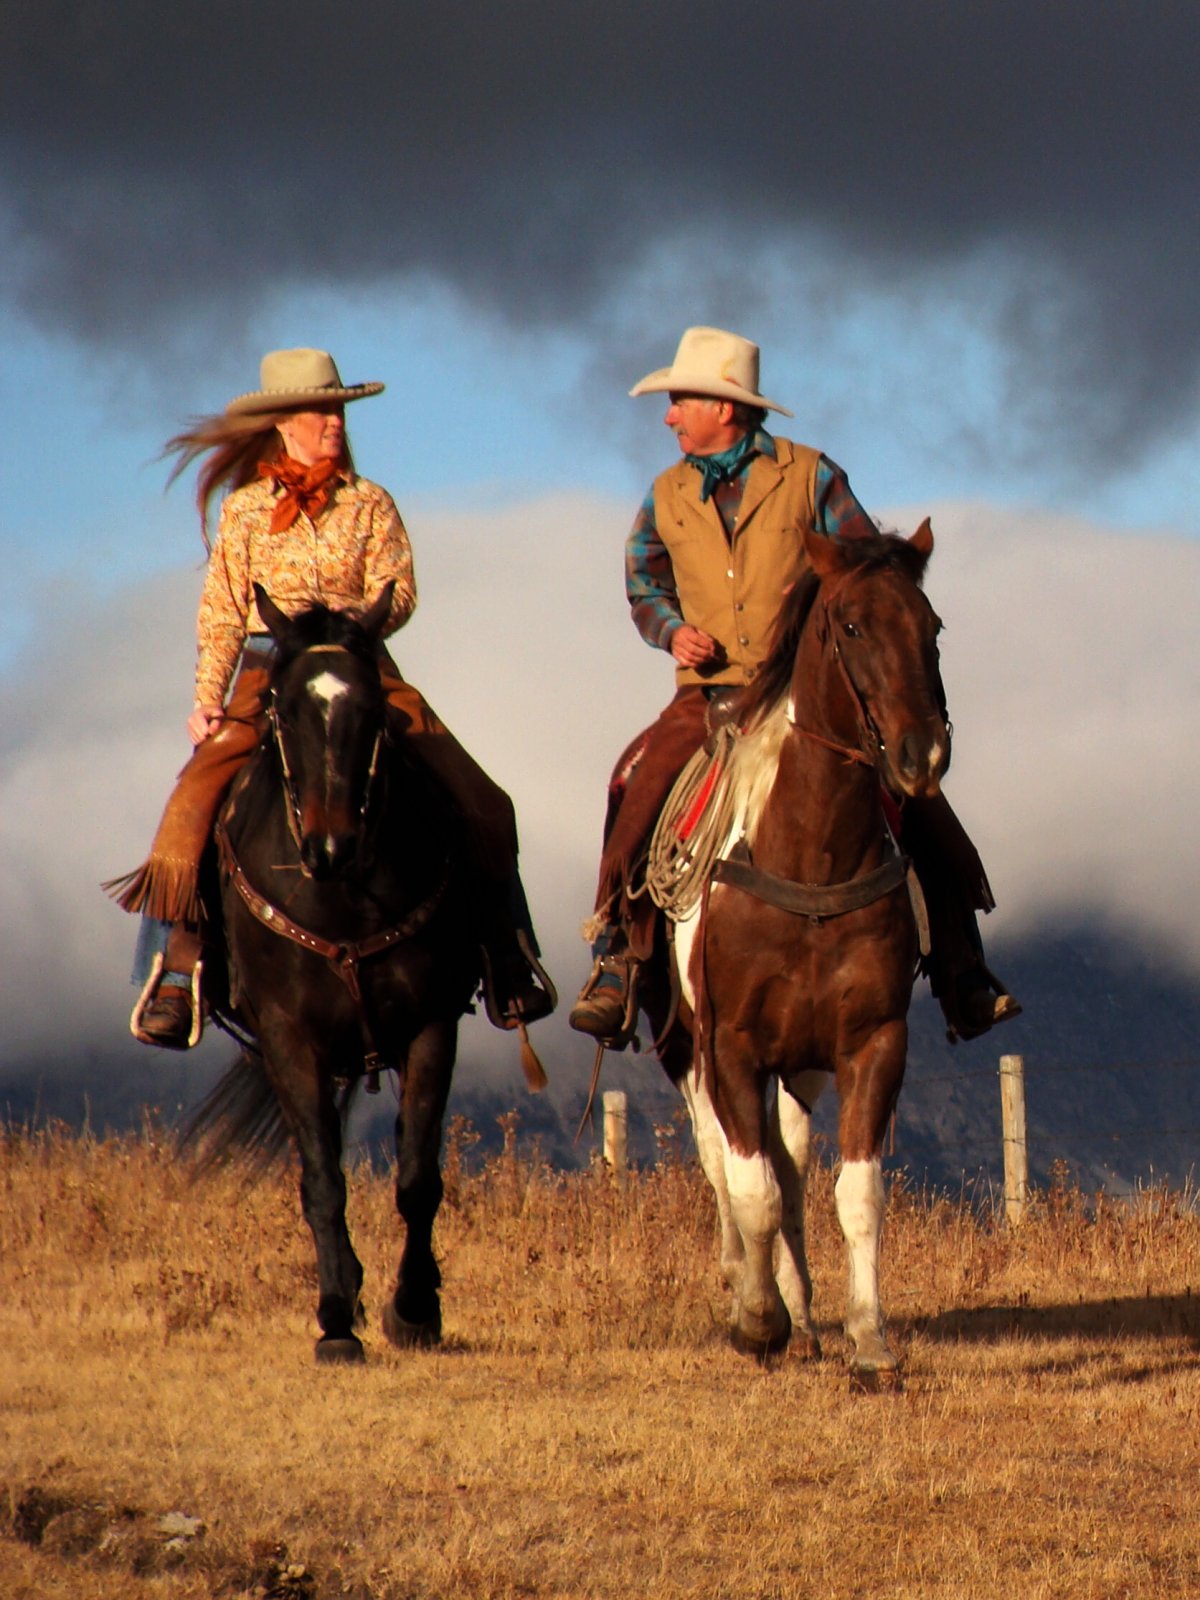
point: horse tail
(239, 1118)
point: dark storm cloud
(164, 161)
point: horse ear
(276, 620)
(922, 540)
(824, 554)
(373, 621)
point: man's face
(702, 425)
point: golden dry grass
(585, 1430)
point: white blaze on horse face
(327, 688)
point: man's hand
(203, 721)
(692, 647)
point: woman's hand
(204, 720)
(692, 647)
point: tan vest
(732, 587)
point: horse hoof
(758, 1348)
(806, 1347)
(340, 1352)
(411, 1335)
(876, 1380)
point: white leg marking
(756, 1201)
(791, 1147)
(859, 1195)
(711, 1148)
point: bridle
(344, 956)
(291, 794)
(871, 747)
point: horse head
(880, 632)
(328, 720)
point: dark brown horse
(800, 962)
(351, 947)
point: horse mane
(863, 552)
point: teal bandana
(725, 465)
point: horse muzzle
(918, 763)
(324, 856)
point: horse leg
(316, 1127)
(710, 1146)
(872, 1085)
(791, 1152)
(413, 1316)
(761, 1322)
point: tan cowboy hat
(714, 363)
(293, 379)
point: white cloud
(1071, 657)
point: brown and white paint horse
(790, 978)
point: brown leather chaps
(166, 885)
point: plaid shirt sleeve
(838, 512)
(650, 580)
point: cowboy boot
(607, 1006)
(517, 989)
(169, 1012)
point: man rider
(716, 543)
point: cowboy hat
(713, 363)
(293, 379)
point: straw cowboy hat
(714, 363)
(293, 379)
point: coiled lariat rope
(695, 823)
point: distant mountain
(1110, 1037)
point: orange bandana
(304, 488)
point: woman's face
(312, 436)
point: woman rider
(298, 519)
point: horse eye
(850, 631)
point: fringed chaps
(167, 884)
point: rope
(696, 821)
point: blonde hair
(234, 446)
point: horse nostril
(909, 761)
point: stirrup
(506, 1021)
(1004, 1007)
(147, 997)
(625, 969)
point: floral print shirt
(343, 560)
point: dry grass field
(584, 1430)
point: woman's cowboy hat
(293, 379)
(714, 363)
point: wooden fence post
(616, 1131)
(1016, 1153)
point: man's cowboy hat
(294, 379)
(713, 363)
